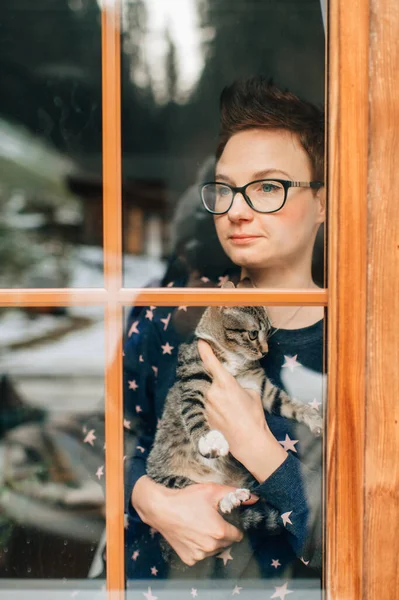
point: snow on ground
(49, 371)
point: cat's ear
(245, 283)
(228, 285)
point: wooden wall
(362, 510)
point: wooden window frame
(354, 147)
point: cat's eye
(253, 334)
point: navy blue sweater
(294, 363)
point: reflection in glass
(176, 58)
(50, 144)
(52, 513)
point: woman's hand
(187, 518)
(239, 415)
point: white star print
(236, 591)
(133, 328)
(126, 424)
(141, 359)
(90, 437)
(167, 348)
(183, 308)
(281, 591)
(139, 409)
(142, 450)
(148, 595)
(100, 472)
(286, 518)
(194, 592)
(288, 443)
(165, 322)
(205, 279)
(276, 563)
(125, 521)
(133, 385)
(223, 279)
(170, 284)
(149, 314)
(314, 404)
(84, 429)
(135, 555)
(291, 362)
(154, 571)
(155, 369)
(225, 556)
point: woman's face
(254, 240)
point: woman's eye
(252, 335)
(268, 188)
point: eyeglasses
(262, 195)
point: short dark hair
(256, 103)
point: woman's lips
(241, 240)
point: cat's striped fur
(185, 451)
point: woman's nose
(240, 209)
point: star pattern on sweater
(281, 591)
(149, 596)
(90, 437)
(133, 385)
(276, 563)
(236, 591)
(167, 348)
(133, 329)
(194, 592)
(154, 571)
(286, 518)
(291, 362)
(288, 443)
(314, 404)
(100, 472)
(225, 556)
(165, 322)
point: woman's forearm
(262, 455)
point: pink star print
(142, 450)
(194, 592)
(100, 472)
(291, 362)
(286, 518)
(167, 348)
(133, 385)
(288, 443)
(155, 369)
(153, 532)
(183, 308)
(165, 322)
(236, 591)
(276, 563)
(148, 595)
(154, 571)
(225, 556)
(149, 314)
(281, 591)
(314, 404)
(205, 279)
(138, 409)
(141, 359)
(133, 329)
(126, 424)
(90, 437)
(135, 555)
(170, 284)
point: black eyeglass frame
(242, 190)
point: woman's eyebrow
(258, 175)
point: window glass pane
(50, 144)
(177, 56)
(165, 390)
(52, 515)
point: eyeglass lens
(266, 196)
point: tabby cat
(185, 450)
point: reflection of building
(144, 216)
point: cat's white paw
(233, 499)
(213, 444)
